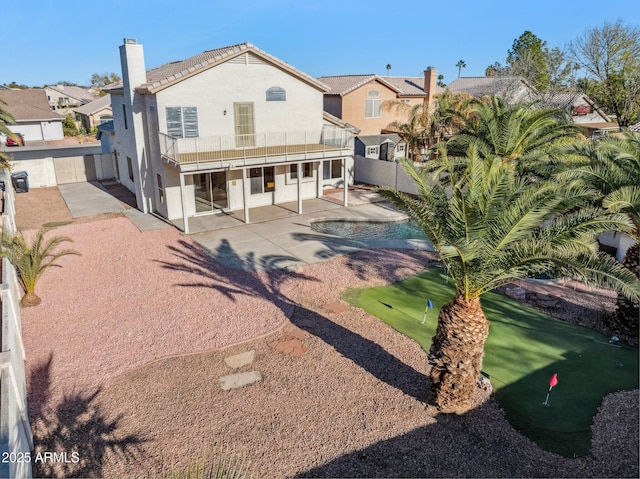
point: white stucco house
(228, 129)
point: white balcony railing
(298, 144)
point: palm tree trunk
(627, 314)
(456, 356)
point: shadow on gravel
(235, 284)
(75, 430)
(473, 445)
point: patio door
(210, 191)
(245, 125)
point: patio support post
(345, 179)
(299, 183)
(245, 194)
(184, 205)
(320, 178)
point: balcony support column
(184, 205)
(245, 195)
(320, 178)
(345, 180)
(299, 183)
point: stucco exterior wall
(353, 108)
(215, 91)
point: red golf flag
(553, 381)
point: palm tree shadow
(367, 354)
(75, 430)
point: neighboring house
(34, 119)
(229, 129)
(387, 147)
(63, 97)
(512, 89)
(95, 113)
(358, 99)
(582, 109)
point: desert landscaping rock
(136, 390)
(239, 380)
(336, 307)
(239, 360)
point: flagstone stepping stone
(238, 380)
(289, 346)
(238, 360)
(293, 331)
(336, 307)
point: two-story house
(359, 99)
(228, 129)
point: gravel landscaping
(126, 351)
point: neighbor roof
(28, 105)
(165, 75)
(504, 86)
(79, 93)
(569, 99)
(94, 106)
(403, 86)
(371, 140)
(343, 84)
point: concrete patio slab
(88, 199)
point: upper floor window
(372, 104)
(275, 93)
(182, 122)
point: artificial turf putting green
(524, 348)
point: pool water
(370, 230)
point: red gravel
(351, 406)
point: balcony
(193, 154)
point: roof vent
(131, 41)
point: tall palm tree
(492, 227)
(461, 64)
(518, 134)
(32, 260)
(612, 166)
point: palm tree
(415, 131)
(31, 261)
(518, 134)
(492, 227)
(6, 118)
(612, 166)
(388, 68)
(461, 64)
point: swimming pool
(369, 230)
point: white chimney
(132, 60)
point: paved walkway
(278, 237)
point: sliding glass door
(210, 191)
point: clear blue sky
(46, 41)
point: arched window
(275, 93)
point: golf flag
(427, 308)
(552, 382)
